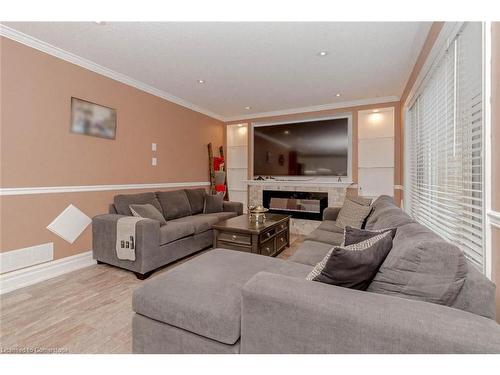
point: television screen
(313, 148)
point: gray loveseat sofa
(187, 231)
(225, 301)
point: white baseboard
(31, 275)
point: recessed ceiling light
(337, 95)
(200, 81)
(247, 108)
(376, 110)
(322, 53)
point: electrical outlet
(154, 162)
(153, 146)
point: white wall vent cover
(70, 223)
(29, 256)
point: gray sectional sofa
(187, 231)
(425, 298)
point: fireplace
(299, 204)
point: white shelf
(237, 162)
(300, 183)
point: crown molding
(40, 45)
(316, 108)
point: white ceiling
(265, 65)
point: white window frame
(449, 31)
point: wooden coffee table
(239, 233)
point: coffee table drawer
(267, 235)
(281, 240)
(268, 247)
(282, 226)
(244, 239)
(233, 246)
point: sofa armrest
(233, 207)
(331, 213)
(104, 241)
(282, 314)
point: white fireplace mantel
(305, 183)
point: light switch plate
(153, 162)
(153, 146)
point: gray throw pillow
(147, 211)
(355, 235)
(214, 203)
(361, 200)
(356, 265)
(352, 214)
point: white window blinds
(445, 146)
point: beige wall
(37, 148)
(495, 153)
(354, 112)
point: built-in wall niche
(237, 162)
(376, 152)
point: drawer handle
(234, 236)
(267, 249)
(282, 239)
(268, 234)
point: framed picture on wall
(92, 119)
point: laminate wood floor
(85, 311)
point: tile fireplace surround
(336, 194)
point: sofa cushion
(360, 200)
(175, 204)
(122, 202)
(330, 226)
(477, 295)
(390, 217)
(352, 214)
(332, 238)
(147, 211)
(382, 203)
(195, 297)
(200, 222)
(422, 267)
(310, 252)
(221, 216)
(173, 231)
(196, 199)
(213, 203)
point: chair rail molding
(85, 188)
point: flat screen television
(310, 148)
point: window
(445, 146)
